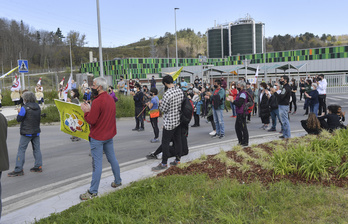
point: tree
(59, 33)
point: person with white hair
(101, 118)
(196, 112)
(29, 115)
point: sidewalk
(9, 112)
(65, 200)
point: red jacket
(102, 117)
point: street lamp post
(176, 40)
(100, 43)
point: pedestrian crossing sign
(23, 66)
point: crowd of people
(271, 102)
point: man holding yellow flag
(101, 117)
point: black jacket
(30, 123)
(4, 162)
(273, 102)
(264, 106)
(284, 96)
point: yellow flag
(177, 73)
(72, 120)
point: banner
(72, 120)
(16, 84)
(4, 75)
(67, 88)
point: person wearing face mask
(313, 97)
(322, 85)
(147, 98)
(250, 91)
(112, 93)
(307, 89)
(74, 93)
(264, 106)
(232, 96)
(153, 82)
(131, 85)
(183, 84)
(293, 96)
(273, 107)
(241, 125)
(284, 101)
(170, 106)
(120, 85)
(256, 98)
(101, 118)
(218, 102)
(138, 98)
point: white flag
(16, 84)
(67, 88)
(256, 74)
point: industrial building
(245, 36)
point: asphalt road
(66, 162)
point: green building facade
(141, 67)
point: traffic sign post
(23, 68)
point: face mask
(239, 89)
(72, 94)
(261, 88)
(275, 87)
(215, 86)
(232, 87)
(312, 87)
(95, 92)
(281, 82)
(252, 87)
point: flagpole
(71, 73)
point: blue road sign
(23, 66)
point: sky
(125, 22)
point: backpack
(186, 111)
(249, 105)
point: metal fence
(337, 83)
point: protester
(284, 100)
(4, 161)
(84, 86)
(121, 85)
(232, 96)
(223, 83)
(112, 93)
(15, 93)
(101, 118)
(61, 94)
(131, 85)
(74, 93)
(331, 121)
(183, 85)
(196, 82)
(264, 106)
(250, 91)
(218, 103)
(138, 98)
(240, 125)
(293, 96)
(29, 115)
(313, 98)
(170, 107)
(154, 113)
(322, 85)
(209, 109)
(307, 89)
(153, 82)
(73, 84)
(312, 124)
(256, 98)
(302, 87)
(341, 114)
(196, 103)
(87, 96)
(147, 98)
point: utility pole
(100, 43)
(176, 40)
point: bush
(124, 106)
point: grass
(198, 199)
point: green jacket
(4, 163)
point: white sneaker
(212, 133)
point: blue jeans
(314, 108)
(284, 117)
(23, 145)
(274, 115)
(97, 148)
(233, 107)
(219, 121)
